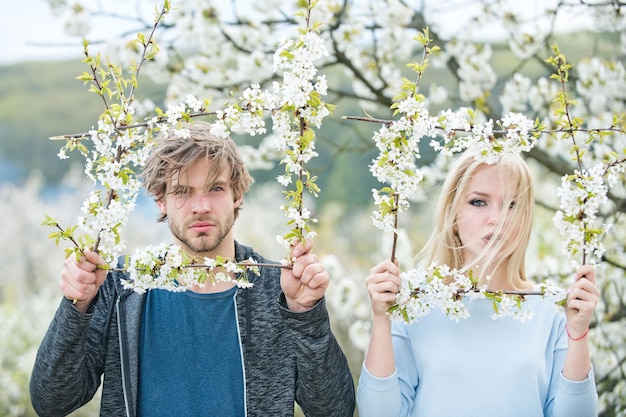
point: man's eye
(181, 191)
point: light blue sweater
(479, 367)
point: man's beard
(203, 242)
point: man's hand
(81, 278)
(306, 282)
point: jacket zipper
(121, 331)
(241, 350)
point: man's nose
(201, 203)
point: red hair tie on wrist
(576, 338)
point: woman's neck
(493, 279)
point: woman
(481, 367)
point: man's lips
(200, 227)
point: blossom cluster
(476, 76)
(245, 116)
(450, 290)
(169, 267)
(602, 86)
(425, 289)
(517, 134)
(398, 143)
(581, 195)
(300, 109)
(111, 164)
(296, 106)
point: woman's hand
(582, 298)
(383, 284)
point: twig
(395, 227)
(243, 264)
(497, 131)
(495, 292)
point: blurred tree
(492, 59)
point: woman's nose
(494, 216)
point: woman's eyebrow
(479, 193)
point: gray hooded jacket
(287, 356)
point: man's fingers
(302, 248)
(303, 262)
(318, 280)
(94, 258)
(81, 277)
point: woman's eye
(478, 203)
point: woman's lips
(489, 237)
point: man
(215, 350)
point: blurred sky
(30, 32)
(25, 27)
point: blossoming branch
(581, 194)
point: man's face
(201, 214)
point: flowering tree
(214, 52)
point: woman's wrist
(575, 339)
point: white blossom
(449, 290)
(581, 196)
(168, 267)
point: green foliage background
(43, 99)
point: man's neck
(210, 288)
(226, 250)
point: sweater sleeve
(378, 397)
(566, 397)
(70, 360)
(324, 385)
(578, 398)
(393, 395)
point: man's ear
(161, 205)
(238, 201)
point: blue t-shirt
(190, 361)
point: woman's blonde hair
(173, 155)
(444, 245)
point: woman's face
(485, 205)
